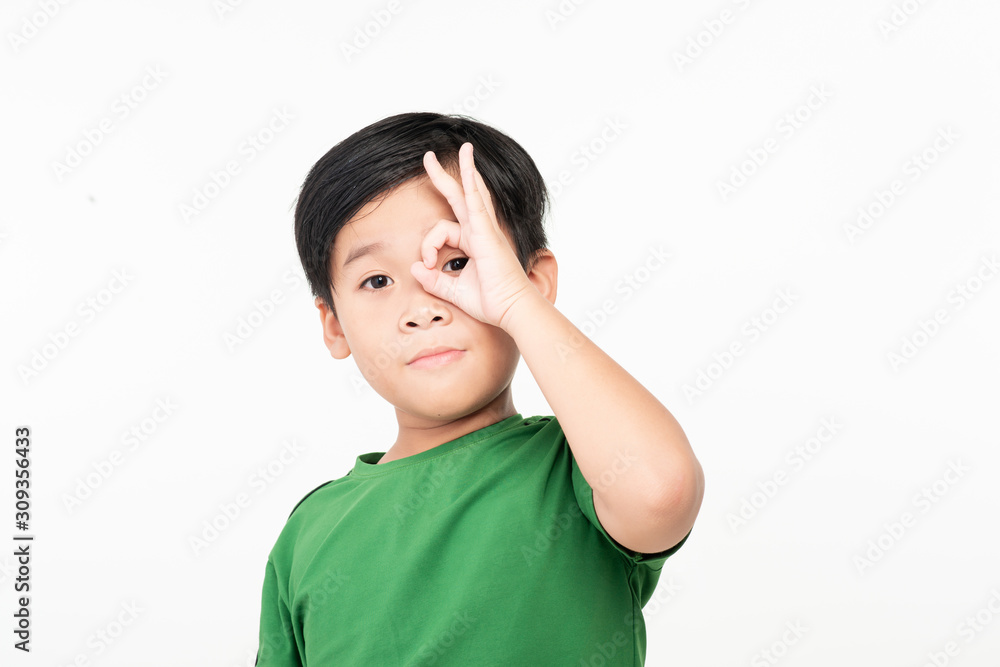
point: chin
(444, 414)
(442, 406)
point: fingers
(446, 185)
(470, 198)
(485, 192)
(445, 232)
(436, 282)
(474, 199)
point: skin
(384, 322)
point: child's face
(385, 317)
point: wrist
(522, 309)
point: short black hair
(386, 153)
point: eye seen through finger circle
(462, 260)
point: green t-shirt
(484, 550)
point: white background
(556, 81)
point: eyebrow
(365, 249)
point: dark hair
(381, 156)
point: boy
(480, 537)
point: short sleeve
(585, 498)
(277, 647)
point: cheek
(504, 350)
(376, 339)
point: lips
(430, 351)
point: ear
(544, 274)
(333, 333)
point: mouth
(436, 356)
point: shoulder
(304, 519)
(317, 494)
(303, 499)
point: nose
(424, 309)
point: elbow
(679, 496)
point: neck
(417, 434)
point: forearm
(629, 447)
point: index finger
(447, 186)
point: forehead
(400, 216)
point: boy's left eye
(463, 260)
